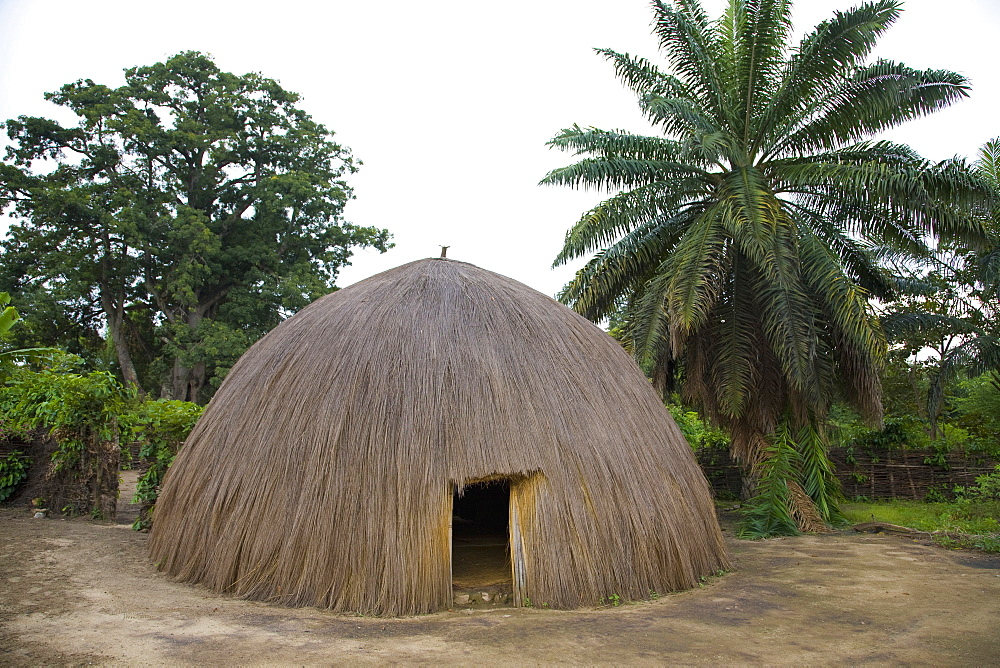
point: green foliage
(8, 317)
(904, 433)
(81, 413)
(987, 488)
(978, 412)
(952, 306)
(187, 212)
(971, 521)
(699, 435)
(795, 457)
(13, 471)
(968, 425)
(8, 314)
(79, 410)
(745, 244)
(90, 413)
(768, 512)
(162, 427)
(816, 473)
(905, 384)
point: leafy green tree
(950, 306)
(978, 410)
(929, 320)
(744, 243)
(190, 203)
(52, 317)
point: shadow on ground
(78, 591)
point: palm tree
(743, 245)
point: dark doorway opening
(480, 536)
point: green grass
(976, 520)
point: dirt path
(76, 591)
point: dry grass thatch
(322, 472)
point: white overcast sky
(449, 103)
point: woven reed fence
(90, 483)
(877, 474)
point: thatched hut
(329, 466)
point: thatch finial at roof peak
(444, 252)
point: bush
(13, 471)
(162, 427)
(699, 435)
(81, 413)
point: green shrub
(979, 412)
(77, 409)
(901, 433)
(13, 471)
(81, 413)
(699, 435)
(161, 426)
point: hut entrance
(480, 540)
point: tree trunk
(179, 380)
(186, 382)
(196, 380)
(114, 311)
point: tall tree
(743, 243)
(951, 304)
(192, 200)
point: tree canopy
(949, 304)
(188, 211)
(744, 245)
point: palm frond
(844, 303)
(678, 116)
(653, 207)
(902, 325)
(736, 356)
(761, 35)
(816, 472)
(609, 173)
(692, 276)
(989, 272)
(834, 47)
(988, 164)
(621, 269)
(643, 77)
(788, 317)
(769, 513)
(877, 98)
(859, 259)
(690, 47)
(617, 143)
(978, 355)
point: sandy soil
(78, 591)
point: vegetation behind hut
(742, 248)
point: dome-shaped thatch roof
(322, 473)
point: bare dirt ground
(77, 591)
